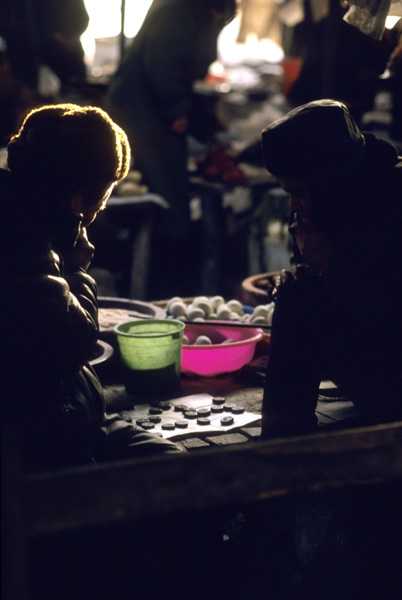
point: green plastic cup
(150, 353)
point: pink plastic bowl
(218, 358)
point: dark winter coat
(153, 87)
(49, 326)
(345, 323)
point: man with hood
(338, 310)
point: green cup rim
(141, 322)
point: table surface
(244, 388)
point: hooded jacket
(344, 323)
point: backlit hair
(74, 147)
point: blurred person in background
(38, 35)
(339, 61)
(59, 25)
(45, 32)
(151, 97)
(395, 84)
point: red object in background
(219, 165)
(291, 65)
(210, 78)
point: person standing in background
(151, 97)
(45, 32)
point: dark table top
(244, 388)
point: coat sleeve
(60, 314)
(295, 363)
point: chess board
(189, 415)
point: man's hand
(83, 252)
(314, 247)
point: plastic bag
(368, 16)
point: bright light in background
(105, 21)
(391, 21)
(135, 15)
(232, 53)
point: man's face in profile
(300, 195)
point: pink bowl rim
(257, 335)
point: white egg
(228, 341)
(204, 304)
(200, 298)
(203, 340)
(223, 312)
(195, 312)
(172, 300)
(216, 301)
(234, 316)
(235, 306)
(259, 320)
(181, 318)
(260, 311)
(186, 341)
(270, 315)
(212, 316)
(178, 309)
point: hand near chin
(314, 247)
(83, 252)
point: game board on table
(189, 414)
